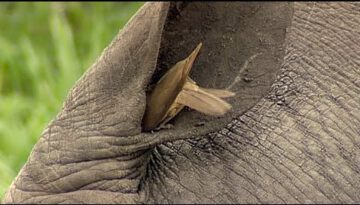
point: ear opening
(241, 41)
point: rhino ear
(202, 101)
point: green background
(44, 48)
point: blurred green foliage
(44, 48)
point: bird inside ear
(176, 89)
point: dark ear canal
(241, 41)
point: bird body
(176, 89)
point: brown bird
(176, 89)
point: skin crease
(293, 135)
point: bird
(176, 89)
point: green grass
(44, 48)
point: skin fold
(293, 135)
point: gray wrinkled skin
(293, 135)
